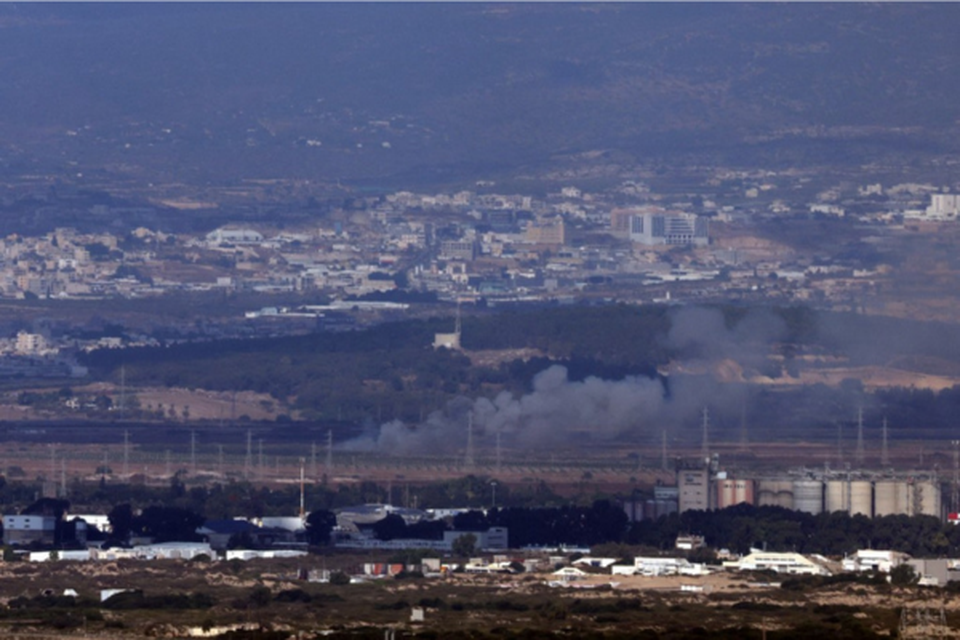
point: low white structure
(690, 542)
(48, 556)
(234, 236)
(159, 551)
(789, 563)
(655, 566)
(568, 574)
(874, 560)
(250, 554)
(598, 563)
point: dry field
(268, 595)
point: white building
(656, 566)
(669, 229)
(874, 560)
(789, 563)
(30, 343)
(234, 236)
(25, 529)
(597, 563)
(943, 206)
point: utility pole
(705, 442)
(328, 464)
(468, 459)
(839, 444)
(884, 449)
(303, 511)
(744, 439)
(248, 460)
(193, 452)
(126, 452)
(956, 476)
(123, 389)
(860, 454)
(663, 450)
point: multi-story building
(694, 489)
(669, 229)
(24, 530)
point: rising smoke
(560, 411)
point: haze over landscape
(622, 276)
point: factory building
(694, 489)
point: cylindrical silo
(731, 491)
(837, 496)
(861, 498)
(775, 493)
(808, 496)
(927, 501)
(725, 493)
(746, 492)
(891, 498)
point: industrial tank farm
(863, 495)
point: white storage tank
(861, 498)
(808, 496)
(837, 496)
(775, 493)
(891, 497)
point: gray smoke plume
(559, 411)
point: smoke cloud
(557, 411)
(560, 412)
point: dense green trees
(743, 527)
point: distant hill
(441, 91)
